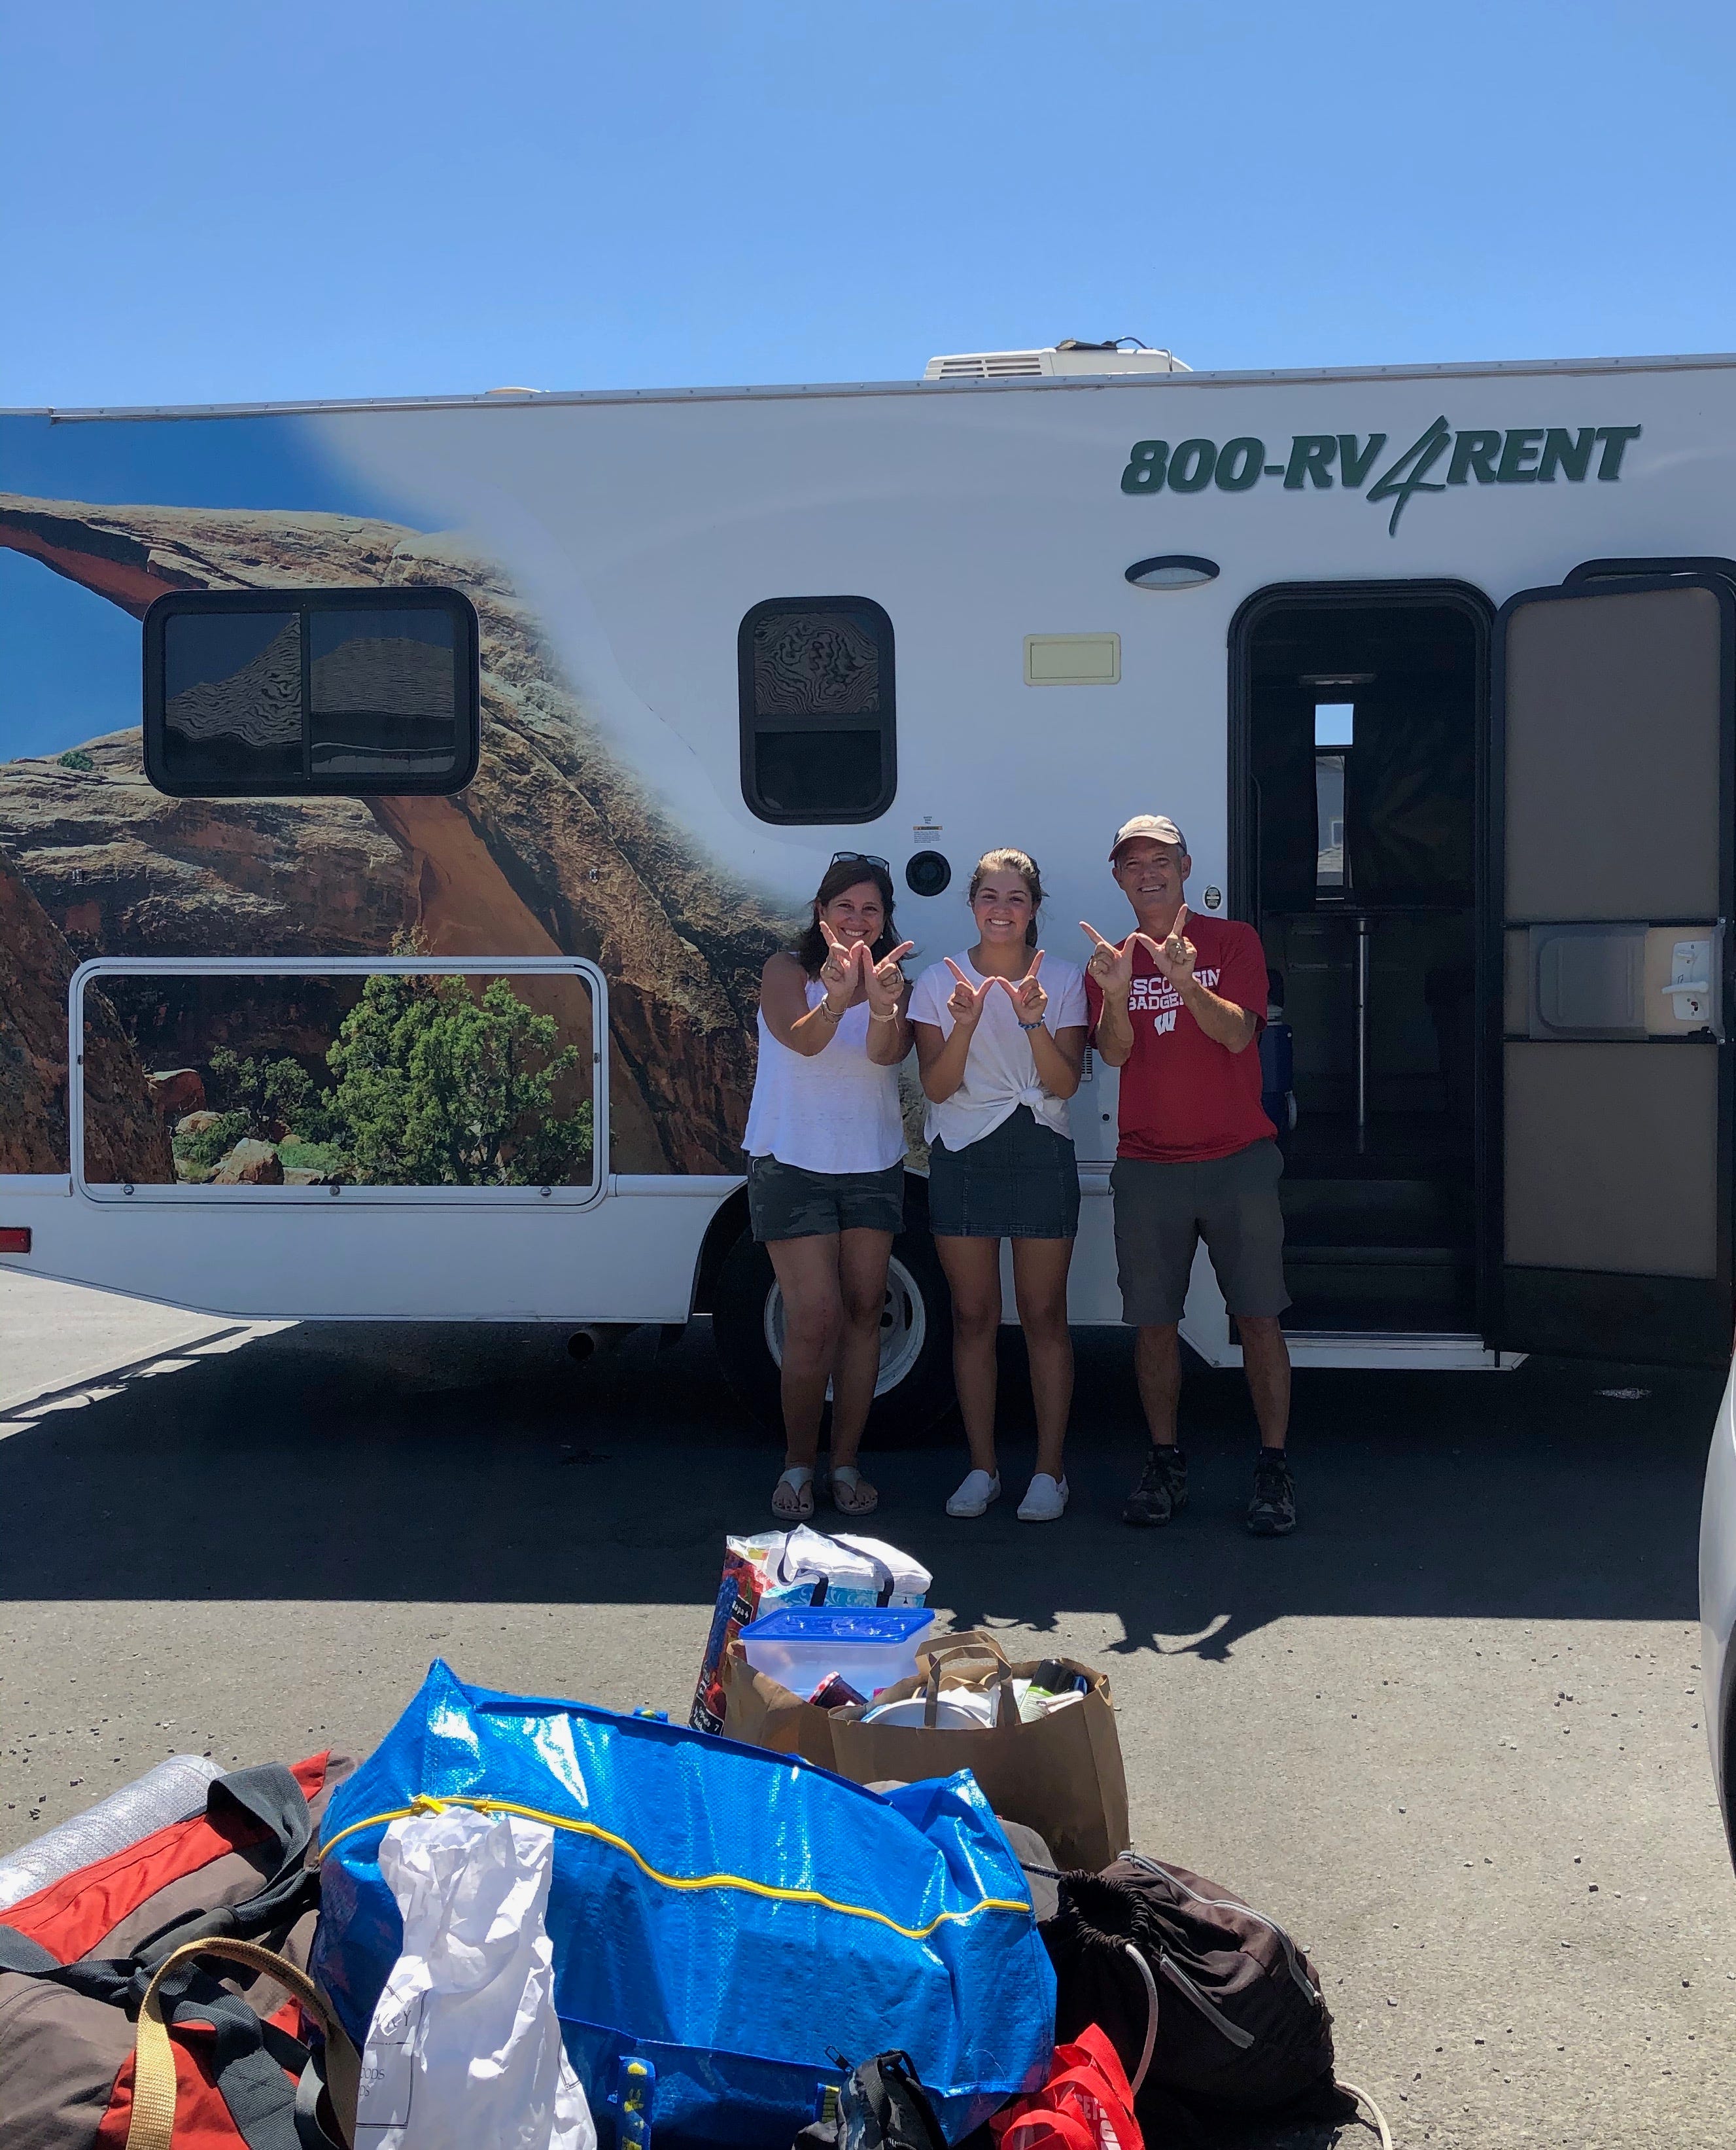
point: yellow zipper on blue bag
(424, 1803)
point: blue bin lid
(877, 1628)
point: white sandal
(792, 1496)
(850, 1496)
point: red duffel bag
(159, 1997)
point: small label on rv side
(1524, 455)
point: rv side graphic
(400, 801)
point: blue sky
(212, 203)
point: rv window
(818, 740)
(250, 692)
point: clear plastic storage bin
(869, 1647)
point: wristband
(825, 1007)
(1037, 1025)
(877, 1018)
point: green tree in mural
(437, 1088)
(434, 1087)
(271, 1094)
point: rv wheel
(915, 1387)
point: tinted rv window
(321, 690)
(819, 740)
(232, 698)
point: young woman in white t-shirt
(1000, 1038)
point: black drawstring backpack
(1215, 2013)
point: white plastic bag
(856, 1571)
(902, 1578)
(464, 2052)
(806, 1558)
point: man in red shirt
(1177, 1006)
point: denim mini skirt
(1019, 1182)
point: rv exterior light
(1335, 679)
(1172, 571)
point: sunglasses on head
(859, 859)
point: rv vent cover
(987, 365)
(1040, 364)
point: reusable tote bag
(1061, 1774)
(733, 1917)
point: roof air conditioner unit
(1070, 357)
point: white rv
(571, 699)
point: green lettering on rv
(1353, 462)
(1563, 452)
(1146, 466)
(1474, 453)
(1310, 456)
(1400, 479)
(1191, 466)
(1239, 463)
(1518, 464)
(1521, 455)
(1615, 439)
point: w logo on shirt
(1163, 1024)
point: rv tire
(916, 1364)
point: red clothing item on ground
(1184, 1098)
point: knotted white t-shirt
(1000, 1071)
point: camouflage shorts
(784, 1202)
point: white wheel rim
(903, 1328)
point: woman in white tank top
(825, 1145)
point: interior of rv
(1357, 743)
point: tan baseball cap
(1159, 827)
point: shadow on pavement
(356, 1461)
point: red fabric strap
(1086, 2104)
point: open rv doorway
(1359, 714)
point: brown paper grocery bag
(1060, 1775)
(761, 1712)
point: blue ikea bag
(737, 1918)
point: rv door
(1611, 780)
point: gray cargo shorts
(1163, 1211)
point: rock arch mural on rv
(555, 848)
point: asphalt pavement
(1450, 1733)
(56, 1339)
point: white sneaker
(1046, 1502)
(975, 1496)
